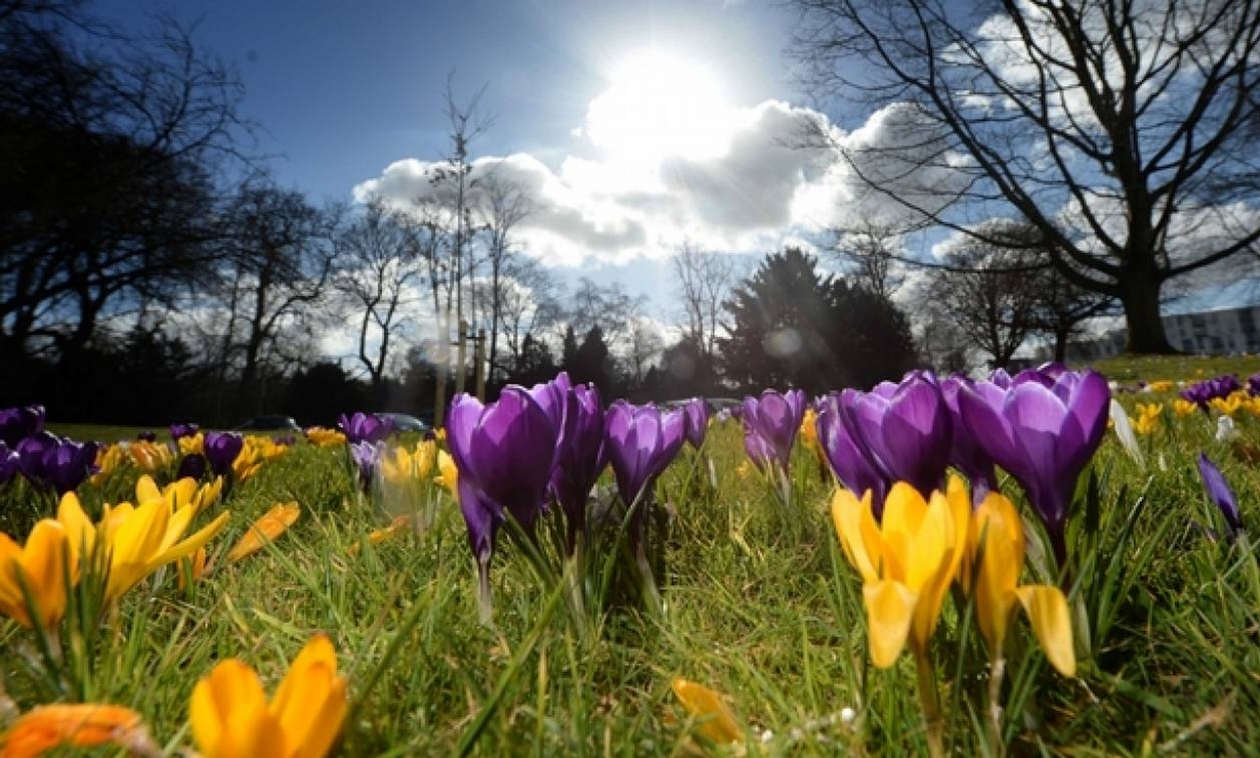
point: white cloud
(751, 188)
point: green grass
(760, 605)
(1191, 368)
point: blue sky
(343, 90)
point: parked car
(270, 424)
(405, 423)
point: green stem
(996, 672)
(929, 700)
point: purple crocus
(506, 451)
(695, 421)
(852, 467)
(365, 427)
(147, 436)
(965, 453)
(904, 429)
(1043, 432)
(180, 431)
(775, 418)
(1203, 393)
(221, 450)
(1220, 492)
(367, 458)
(9, 463)
(557, 400)
(49, 461)
(192, 466)
(582, 459)
(1253, 384)
(641, 442)
(16, 424)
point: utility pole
(479, 356)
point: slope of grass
(760, 605)
(1192, 368)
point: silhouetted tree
(792, 326)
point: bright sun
(657, 107)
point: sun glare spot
(657, 107)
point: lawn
(759, 604)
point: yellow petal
(859, 535)
(1047, 610)
(230, 694)
(43, 564)
(889, 611)
(79, 529)
(311, 702)
(266, 529)
(48, 727)
(147, 489)
(193, 543)
(715, 719)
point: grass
(1192, 368)
(760, 605)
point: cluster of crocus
(321, 437)
(150, 457)
(16, 424)
(231, 716)
(770, 425)
(1203, 393)
(51, 462)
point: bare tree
(529, 305)
(381, 274)
(646, 344)
(1120, 130)
(610, 307)
(993, 307)
(704, 280)
(503, 206)
(869, 252)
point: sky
(343, 91)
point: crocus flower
(222, 449)
(641, 442)
(10, 463)
(38, 565)
(965, 454)
(137, 540)
(848, 461)
(904, 429)
(366, 457)
(995, 551)
(775, 418)
(180, 493)
(16, 424)
(1219, 491)
(180, 431)
(906, 562)
(325, 437)
(558, 402)
(267, 528)
(150, 456)
(147, 436)
(191, 467)
(62, 464)
(696, 421)
(1044, 436)
(1124, 432)
(581, 460)
(48, 727)
(714, 716)
(230, 715)
(365, 427)
(1253, 384)
(505, 449)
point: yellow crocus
(715, 719)
(39, 565)
(325, 437)
(995, 541)
(230, 715)
(401, 467)
(1163, 385)
(1147, 419)
(194, 445)
(181, 493)
(1183, 408)
(108, 458)
(49, 727)
(809, 429)
(266, 529)
(150, 456)
(137, 540)
(448, 474)
(907, 562)
(1228, 405)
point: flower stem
(929, 701)
(996, 672)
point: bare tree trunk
(1139, 294)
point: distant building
(1224, 331)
